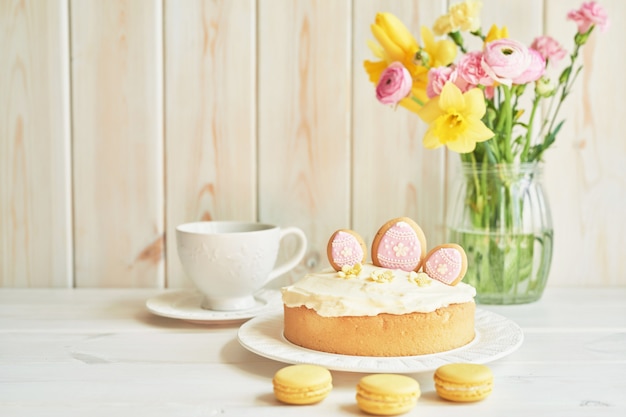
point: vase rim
(490, 165)
(516, 168)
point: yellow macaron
(387, 394)
(463, 382)
(302, 384)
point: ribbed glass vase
(501, 217)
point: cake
(366, 309)
(410, 315)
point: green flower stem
(566, 81)
(508, 123)
(529, 129)
(492, 157)
(505, 179)
(486, 212)
(504, 125)
(566, 86)
(417, 100)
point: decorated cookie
(345, 247)
(446, 263)
(399, 244)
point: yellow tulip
(454, 119)
(397, 42)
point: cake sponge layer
(384, 334)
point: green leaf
(536, 152)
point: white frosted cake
(367, 310)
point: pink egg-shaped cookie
(399, 244)
(345, 247)
(446, 263)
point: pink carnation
(505, 59)
(437, 78)
(549, 48)
(535, 70)
(470, 69)
(395, 84)
(589, 14)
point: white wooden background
(121, 119)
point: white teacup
(229, 261)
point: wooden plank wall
(121, 119)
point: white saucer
(186, 305)
(496, 336)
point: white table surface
(100, 352)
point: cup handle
(292, 262)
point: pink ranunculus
(590, 13)
(549, 48)
(395, 84)
(470, 69)
(535, 70)
(505, 59)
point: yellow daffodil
(495, 33)
(454, 119)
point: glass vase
(501, 217)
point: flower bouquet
(498, 107)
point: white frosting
(331, 295)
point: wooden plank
(585, 175)
(35, 196)
(321, 134)
(393, 174)
(304, 119)
(210, 124)
(117, 87)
